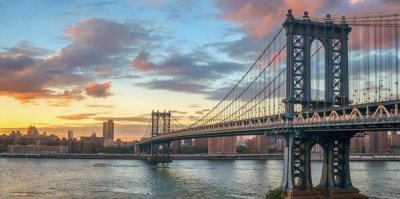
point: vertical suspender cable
(397, 60)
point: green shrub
(274, 194)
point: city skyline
(72, 65)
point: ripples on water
(51, 178)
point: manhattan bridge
(320, 80)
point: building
(222, 145)
(261, 144)
(32, 130)
(70, 135)
(201, 142)
(32, 137)
(394, 139)
(357, 144)
(188, 142)
(258, 144)
(280, 144)
(376, 142)
(91, 144)
(251, 143)
(241, 141)
(108, 133)
(176, 147)
(317, 149)
(119, 142)
(37, 149)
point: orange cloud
(98, 89)
(81, 116)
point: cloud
(95, 42)
(100, 106)
(259, 20)
(15, 63)
(95, 116)
(25, 78)
(195, 65)
(136, 119)
(201, 112)
(141, 63)
(27, 49)
(259, 17)
(195, 72)
(82, 116)
(178, 112)
(96, 49)
(97, 4)
(175, 85)
(193, 106)
(193, 118)
(99, 90)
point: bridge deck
(354, 118)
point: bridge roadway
(376, 116)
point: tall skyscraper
(70, 135)
(108, 132)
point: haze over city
(71, 65)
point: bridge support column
(155, 157)
(335, 178)
(296, 179)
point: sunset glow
(71, 65)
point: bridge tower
(335, 178)
(160, 124)
(300, 35)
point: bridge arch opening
(317, 70)
(317, 158)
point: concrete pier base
(159, 159)
(350, 193)
(307, 194)
(318, 193)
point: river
(71, 178)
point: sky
(70, 65)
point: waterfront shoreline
(185, 157)
(141, 157)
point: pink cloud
(141, 63)
(259, 17)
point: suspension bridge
(320, 80)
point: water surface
(63, 178)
